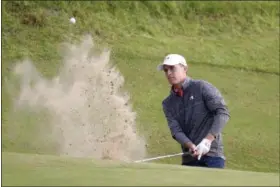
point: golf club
(160, 157)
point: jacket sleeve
(175, 128)
(216, 104)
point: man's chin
(173, 82)
(170, 82)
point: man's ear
(185, 67)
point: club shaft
(159, 157)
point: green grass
(31, 170)
(234, 45)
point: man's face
(175, 74)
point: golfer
(196, 114)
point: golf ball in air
(72, 20)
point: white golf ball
(72, 20)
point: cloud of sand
(89, 115)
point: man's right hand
(192, 149)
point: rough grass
(234, 45)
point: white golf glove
(203, 147)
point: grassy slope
(51, 171)
(235, 35)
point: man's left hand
(203, 147)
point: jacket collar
(185, 85)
